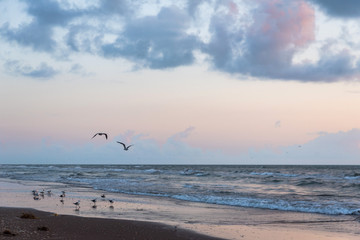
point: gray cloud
(193, 6)
(267, 46)
(156, 41)
(263, 46)
(38, 34)
(336, 8)
(42, 71)
(33, 35)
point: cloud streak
(43, 71)
(262, 43)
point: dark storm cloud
(43, 71)
(336, 8)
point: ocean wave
(275, 174)
(326, 190)
(308, 182)
(191, 172)
(299, 206)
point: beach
(47, 225)
(141, 217)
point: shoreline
(218, 221)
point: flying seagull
(125, 147)
(100, 134)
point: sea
(330, 190)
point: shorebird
(94, 201)
(111, 202)
(77, 204)
(63, 193)
(100, 134)
(125, 147)
(103, 196)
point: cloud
(348, 9)
(41, 71)
(157, 41)
(327, 148)
(38, 34)
(260, 42)
(145, 150)
(266, 48)
(279, 30)
(181, 135)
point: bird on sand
(77, 204)
(111, 202)
(100, 134)
(125, 147)
(94, 201)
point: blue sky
(208, 81)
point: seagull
(100, 134)
(94, 201)
(125, 147)
(77, 204)
(111, 202)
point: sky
(185, 82)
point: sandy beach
(45, 225)
(139, 217)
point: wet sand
(154, 216)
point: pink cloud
(285, 24)
(233, 9)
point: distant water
(316, 189)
